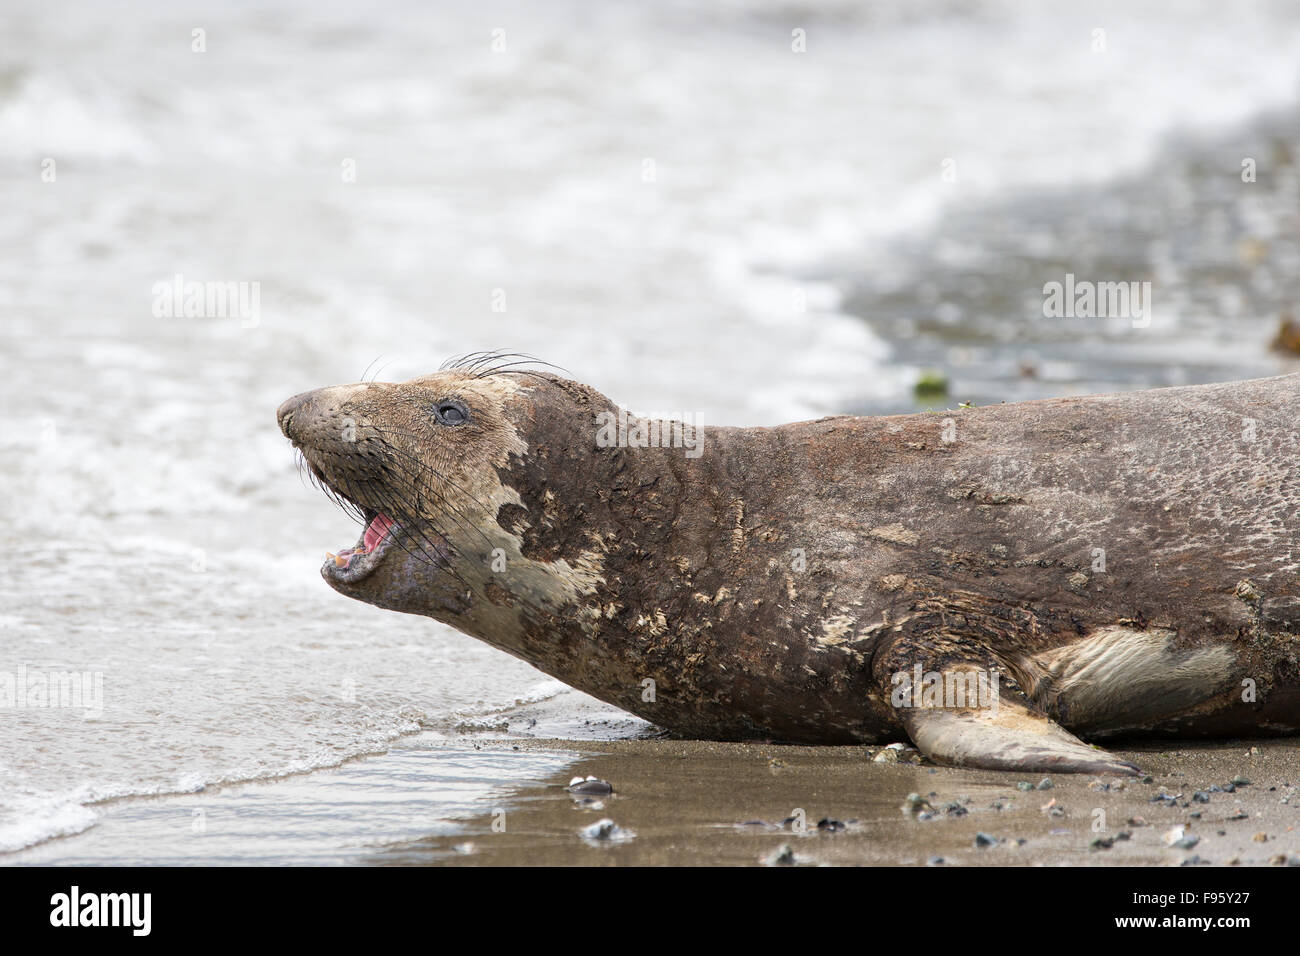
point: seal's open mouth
(380, 530)
(352, 564)
(357, 562)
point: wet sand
(691, 803)
(495, 795)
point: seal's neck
(603, 522)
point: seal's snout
(284, 414)
(322, 413)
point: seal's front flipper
(961, 704)
(1012, 737)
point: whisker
(369, 367)
(495, 361)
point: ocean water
(666, 200)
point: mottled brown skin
(954, 540)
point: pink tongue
(376, 531)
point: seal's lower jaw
(353, 565)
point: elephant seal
(989, 581)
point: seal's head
(441, 471)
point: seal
(995, 583)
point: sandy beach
(503, 800)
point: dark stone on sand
(591, 787)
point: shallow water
(363, 811)
(668, 202)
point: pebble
(898, 753)
(782, 856)
(606, 831)
(915, 803)
(590, 786)
(985, 839)
(1105, 843)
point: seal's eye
(451, 412)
